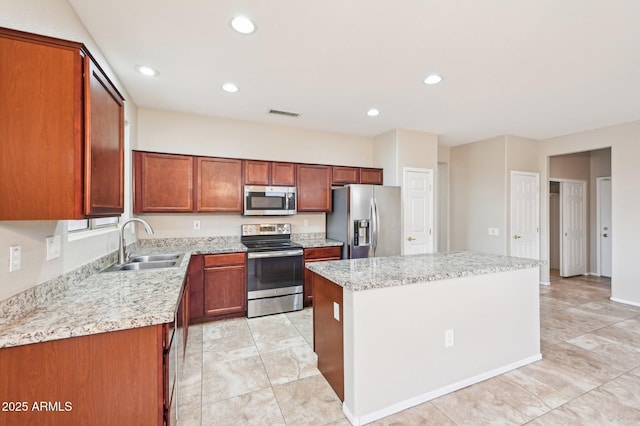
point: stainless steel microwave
(269, 200)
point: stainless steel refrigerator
(366, 218)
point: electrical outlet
(448, 338)
(306, 222)
(15, 258)
(53, 247)
(494, 231)
(196, 224)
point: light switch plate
(336, 311)
(53, 247)
(15, 258)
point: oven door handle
(279, 253)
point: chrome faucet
(121, 249)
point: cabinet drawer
(323, 252)
(213, 260)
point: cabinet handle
(410, 239)
(516, 237)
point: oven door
(274, 273)
(269, 200)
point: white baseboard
(417, 400)
(626, 302)
(545, 282)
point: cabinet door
(371, 176)
(196, 287)
(345, 175)
(257, 172)
(225, 290)
(40, 122)
(314, 188)
(163, 183)
(104, 144)
(283, 174)
(219, 185)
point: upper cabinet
(62, 150)
(171, 183)
(371, 176)
(163, 183)
(219, 185)
(345, 175)
(314, 188)
(269, 173)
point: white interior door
(525, 215)
(418, 210)
(604, 226)
(573, 224)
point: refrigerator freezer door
(388, 232)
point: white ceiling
(532, 68)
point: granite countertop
(318, 242)
(111, 301)
(380, 272)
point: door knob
(605, 235)
(410, 239)
(516, 237)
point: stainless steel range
(274, 269)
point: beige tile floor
(262, 371)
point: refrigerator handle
(372, 228)
(375, 222)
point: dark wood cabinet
(196, 287)
(163, 183)
(62, 153)
(219, 185)
(371, 176)
(314, 188)
(224, 285)
(344, 175)
(118, 377)
(269, 173)
(317, 254)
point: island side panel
(328, 332)
(395, 354)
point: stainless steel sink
(155, 257)
(149, 261)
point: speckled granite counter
(380, 272)
(111, 301)
(317, 242)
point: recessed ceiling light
(433, 79)
(243, 25)
(230, 87)
(148, 71)
(373, 112)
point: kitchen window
(78, 229)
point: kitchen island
(393, 332)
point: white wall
(624, 141)
(478, 196)
(54, 18)
(166, 131)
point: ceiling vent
(285, 113)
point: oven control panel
(266, 229)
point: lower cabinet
(218, 286)
(124, 377)
(317, 254)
